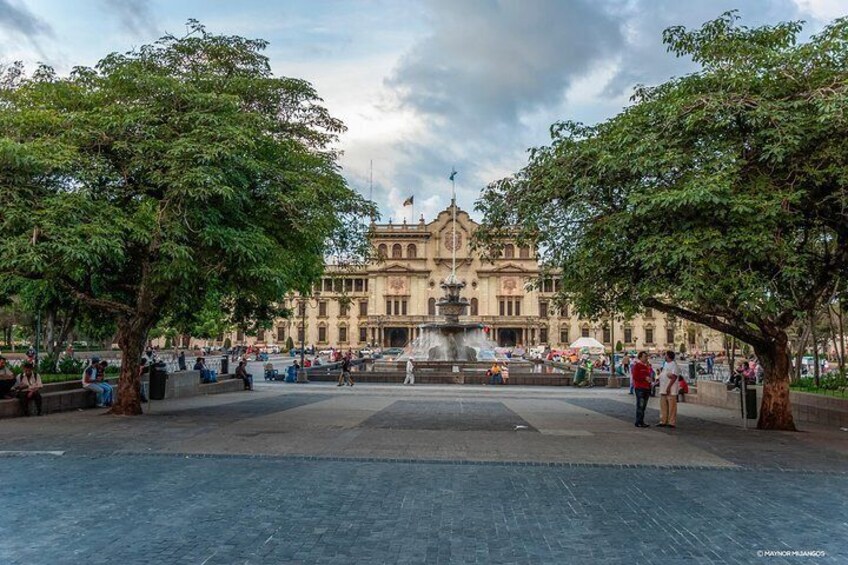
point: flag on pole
(409, 201)
(453, 174)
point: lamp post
(304, 301)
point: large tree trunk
(775, 410)
(132, 335)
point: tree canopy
(718, 197)
(178, 171)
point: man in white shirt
(669, 385)
(410, 375)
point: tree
(718, 197)
(160, 177)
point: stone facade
(384, 303)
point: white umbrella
(588, 343)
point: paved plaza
(389, 474)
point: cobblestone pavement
(378, 474)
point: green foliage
(619, 346)
(718, 197)
(682, 347)
(834, 381)
(289, 343)
(177, 176)
(227, 343)
(47, 364)
(70, 366)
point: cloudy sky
(423, 85)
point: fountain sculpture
(451, 340)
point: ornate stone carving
(453, 241)
(509, 285)
(397, 285)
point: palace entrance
(508, 337)
(397, 337)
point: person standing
(29, 387)
(344, 377)
(181, 362)
(641, 379)
(410, 374)
(669, 387)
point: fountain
(451, 340)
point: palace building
(382, 304)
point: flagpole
(453, 229)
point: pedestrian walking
(410, 372)
(641, 376)
(345, 378)
(669, 387)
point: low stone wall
(430, 377)
(182, 384)
(806, 407)
(69, 395)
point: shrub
(70, 366)
(47, 364)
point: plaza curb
(451, 462)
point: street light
(301, 375)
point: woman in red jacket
(642, 387)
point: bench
(56, 397)
(69, 395)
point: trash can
(693, 371)
(580, 375)
(158, 380)
(225, 365)
(751, 403)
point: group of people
(26, 386)
(94, 379)
(498, 375)
(750, 371)
(670, 382)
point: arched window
(509, 251)
(411, 251)
(382, 251)
(397, 251)
(524, 252)
(473, 306)
(431, 307)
